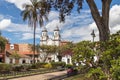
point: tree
(64, 49)
(102, 21)
(108, 65)
(15, 56)
(34, 14)
(3, 42)
(65, 7)
(47, 50)
(37, 49)
(83, 54)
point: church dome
(56, 29)
(44, 30)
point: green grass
(78, 77)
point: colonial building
(15, 55)
(26, 54)
(54, 40)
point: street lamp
(93, 35)
(0, 33)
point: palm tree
(35, 13)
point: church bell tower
(44, 37)
(56, 36)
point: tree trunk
(47, 54)
(34, 42)
(102, 21)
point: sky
(76, 28)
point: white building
(14, 48)
(54, 40)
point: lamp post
(0, 33)
(93, 35)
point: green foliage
(83, 52)
(47, 49)
(48, 66)
(69, 65)
(40, 65)
(57, 64)
(15, 55)
(115, 69)
(3, 41)
(17, 67)
(96, 73)
(5, 67)
(108, 64)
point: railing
(9, 75)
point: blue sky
(76, 28)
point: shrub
(26, 67)
(48, 66)
(57, 64)
(69, 65)
(17, 67)
(40, 64)
(5, 67)
(33, 66)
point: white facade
(9, 60)
(46, 40)
(55, 40)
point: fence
(9, 75)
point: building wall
(8, 60)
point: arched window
(23, 61)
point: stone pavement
(45, 76)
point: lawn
(77, 77)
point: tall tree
(65, 7)
(47, 50)
(3, 41)
(102, 21)
(35, 13)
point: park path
(45, 76)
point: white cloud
(76, 28)
(4, 23)
(115, 15)
(27, 36)
(83, 32)
(13, 27)
(53, 24)
(53, 15)
(1, 17)
(115, 18)
(19, 3)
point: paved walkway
(41, 76)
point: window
(68, 61)
(23, 61)
(11, 60)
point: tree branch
(95, 13)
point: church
(54, 40)
(26, 55)
(46, 40)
